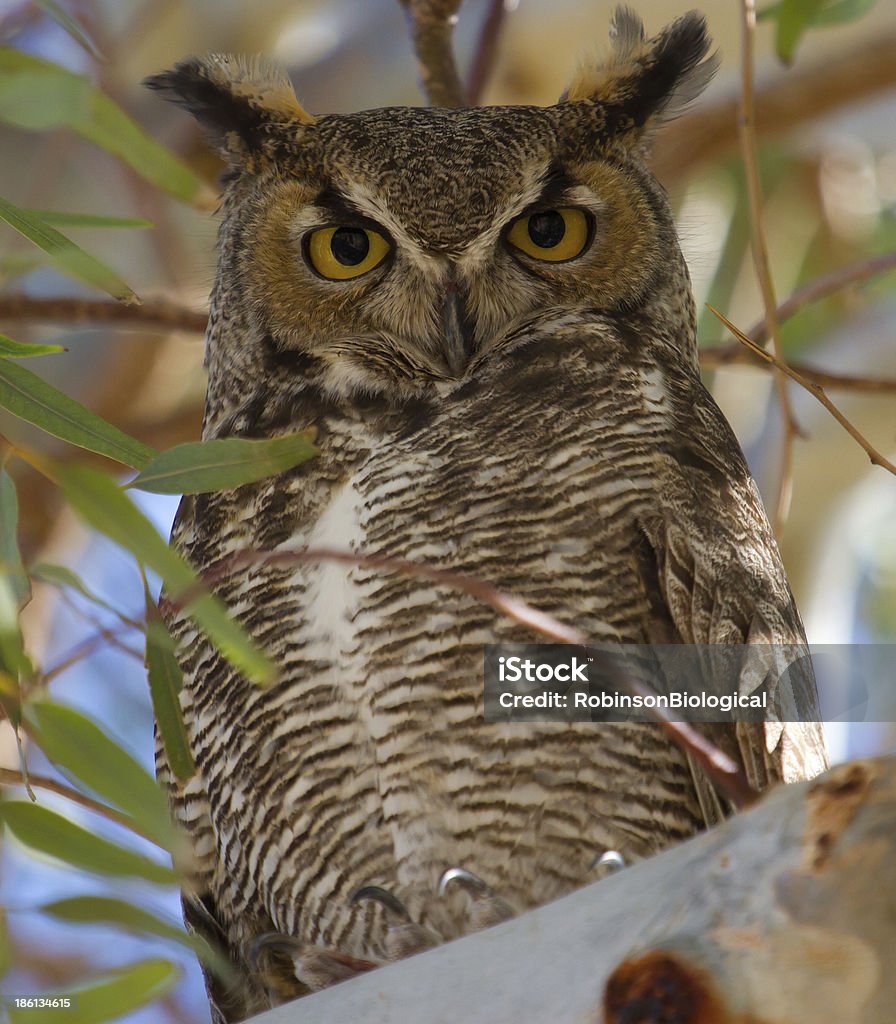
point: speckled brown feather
(575, 459)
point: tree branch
(736, 355)
(431, 24)
(747, 132)
(13, 778)
(156, 313)
(814, 389)
(822, 287)
(787, 101)
(486, 50)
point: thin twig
(721, 769)
(814, 389)
(432, 24)
(486, 51)
(747, 131)
(13, 778)
(156, 313)
(736, 354)
(783, 104)
(822, 287)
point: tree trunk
(786, 914)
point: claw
(403, 939)
(488, 907)
(609, 862)
(316, 968)
(383, 897)
(472, 883)
(272, 942)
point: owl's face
(402, 247)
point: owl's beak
(457, 329)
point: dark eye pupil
(547, 229)
(349, 246)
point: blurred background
(828, 162)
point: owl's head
(394, 250)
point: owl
(486, 316)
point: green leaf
(62, 17)
(105, 910)
(38, 95)
(840, 12)
(18, 264)
(88, 220)
(4, 945)
(222, 464)
(80, 747)
(165, 683)
(61, 576)
(118, 993)
(16, 350)
(794, 17)
(832, 12)
(15, 591)
(63, 251)
(99, 501)
(10, 557)
(25, 395)
(42, 829)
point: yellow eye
(343, 253)
(552, 235)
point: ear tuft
(646, 81)
(241, 101)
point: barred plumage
(538, 423)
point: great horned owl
(486, 315)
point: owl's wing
(722, 582)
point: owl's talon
(315, 967)
(472, 883)
(488, 908)
(609, 862)
(269, 942)
(384, 898)
(403, 939)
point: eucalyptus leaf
(16, 350)
(106, 910)
(99, 501)
(27, 396)
(38, 95)
(62, 576)
(14, 662)
(222, 464)
(88, 220)
(62, 17)
(63, 251)
(11, 564)
(73, 742)
(108, 998)
(165, 683)
(44, 830)
(15, 590)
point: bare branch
(432, 24)
(12, 778)
(720, 768)
(822, 287)
(814, 389)
(747, 131)
(736, 355)
(156, 313)
(486, 50)
(784, 103)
